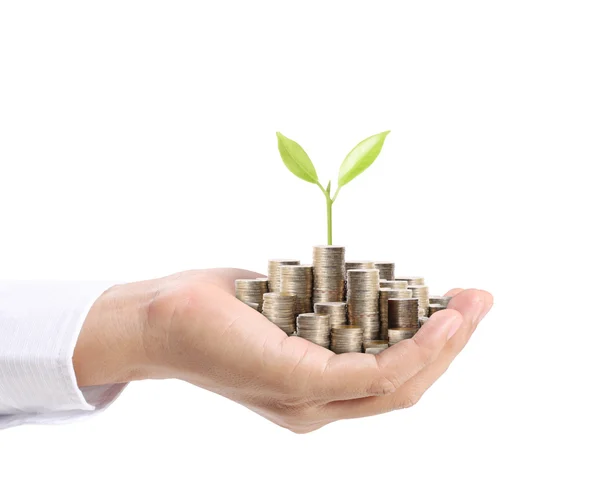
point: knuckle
(409, 399)
(426, 352)
(384, 385)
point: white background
(138, 139)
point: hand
(190, 326)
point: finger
(471, 305)
(453, 292)
(348, 376)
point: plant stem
(329, 204)
(329, 201)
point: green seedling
(357, 161)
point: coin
(337, 311)
(384, 295)
(423, 320)
(374, 344)
(363, 301)
(314, 327)
(412, 280)
(328, 273)
(275, 275)
(442, 300)
(403, 313)
(398, 334)
(375, 350)
(356, 265)
(434, 308)
(251, 290)
(386, 269)
(421, 292)
(393, 284)
(346, 338)
(298, 279)
(280, 309)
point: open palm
(201, 333)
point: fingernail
(453, 326)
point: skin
(191, 327)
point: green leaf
(296, 160)
(360, 158)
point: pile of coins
(386, 269)
(346, 338)
(358, 265)
(251, 291)
(384, 295)
(403, 317)
(352, 306)
(298, 280)
(421, 292)
(375, 346)
(280, 309)
(329, 268)
(337, 311)
(363, 301)
(274, 273)
(314, 327)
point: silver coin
(434, 308)
(403, 313)
(298, 280)
(442, 300)
(280, 309)
(274, 274)
(328, 273)
(251, 290)
(363, 301)
(398, 334)
(421, 292)
(412, 280)
(386, 269)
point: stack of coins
(398, 334)
(403, 313)
(346, 338)
(386, 269)
(434, 308)
(328, 273)
(363, 301)
(357, 265)
(280, 309)
(314, 327)
(423, 320)
(274, 273)
(442, 300)
(384, 295)
(421, 292)
(375, 346)
(251, 290)
(337, 311)
(393, 284)
(412, 280)
(298, 279)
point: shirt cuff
(39, 326)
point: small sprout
(357, 161)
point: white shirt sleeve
(39, 326)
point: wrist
(109, 348)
